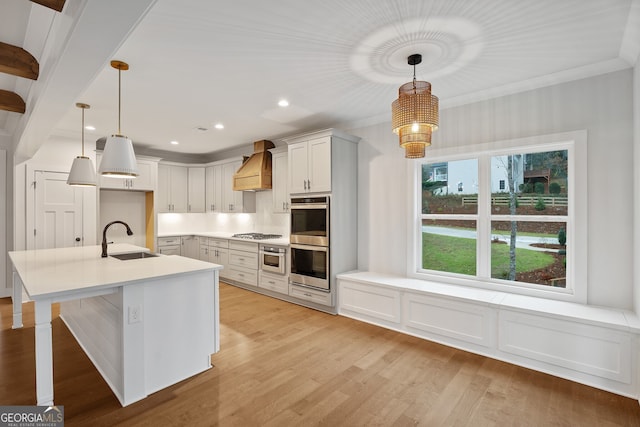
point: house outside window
(502, 233)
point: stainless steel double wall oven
(310, 242)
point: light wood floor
(284, 365)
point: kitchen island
(145, 323)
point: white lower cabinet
(169, 245)
(273, 282)
(304, 293)
(243, 262)
(245, 276)
(216, 251)
(190, 246)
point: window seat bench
(597, 346)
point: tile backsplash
(264, 220)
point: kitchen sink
(134, 255)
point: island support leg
(44, 353)
(16, 301)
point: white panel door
(58, 212)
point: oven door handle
(278, 254)
(309, 206)
(310, 247)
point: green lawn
(458, 255)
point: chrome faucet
(104, 235)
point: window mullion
(483, 242)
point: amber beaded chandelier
(414, 114)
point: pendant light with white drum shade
(118, 158)
(82, 173)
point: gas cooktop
(256, 236)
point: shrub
(539, 188)
(554, 188)
(540, 206)
(525, 188)
(562, 236)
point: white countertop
(50, 272)
(281, 241)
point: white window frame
(576, 220)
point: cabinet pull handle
(284, 208)
(271, 282)
(305, 184)
(307, 295)
(308, 184)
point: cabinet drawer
(274, 283)
(243, 275)
(243, 246)
(169, 249)
(243, 259)
(164, 241)
(301, 292)
(218, 243)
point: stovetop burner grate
(257, 236)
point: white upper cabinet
(146, 181)
(172, 188)
(280, 181)
(196, 190)
(202, 189)
(310, 166)
(213, 188)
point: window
(515, 228)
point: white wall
(3, 224)
(636, 187)
(127, 206)
(602, 105)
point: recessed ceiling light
(89, 127)
(174, 143)
(283, 103)
(219, 126)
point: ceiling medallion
(448, 44)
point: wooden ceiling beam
(56, 5)
(11, 101)
(17, 61)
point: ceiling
(195, 63)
